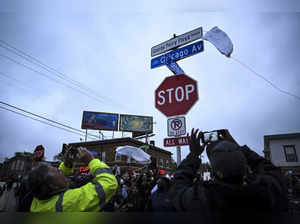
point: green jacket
(90, 198)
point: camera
(210, 136)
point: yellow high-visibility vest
(90, 198)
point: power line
(24, 115)
(44, 75)
(33, 60)
(262, 77)
(16, 82)
(44, 118)
(11, 83)
(52, 70)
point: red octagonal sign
(176, 95)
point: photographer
(233, 190)
(51, 191)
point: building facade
(15, 168)
(106, 150)
(283, 151)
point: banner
(134, 123)
(100, 121)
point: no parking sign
(176, 126)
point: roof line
(280, 136)
(107, 141)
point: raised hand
(68, 158)
(194, 142)
(84, 155)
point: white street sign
(177, 41)
(176, 126)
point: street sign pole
(189, 91)
(178, 150)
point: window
(267, 155)
(22, 166)
(118, 157)
(13, 165)
(161, 162)
(103, 156)
(290, 153)
(17, 165)
(167, 163)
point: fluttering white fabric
(220, 40)
(133, 152)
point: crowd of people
(241, 181)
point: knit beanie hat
(227, 161)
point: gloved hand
(196, 148)
(84, 156)
(68, 157)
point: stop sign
(176, 95)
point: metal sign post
(85, 134)
(176, 94)
(178, 151)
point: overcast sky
(106, 46)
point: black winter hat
(226, 159)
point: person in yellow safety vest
(50, 186)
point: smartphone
(211, 136)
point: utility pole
(146, 138)
(100, 133)
(178, 151)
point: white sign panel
(176, 126)
(177, 41)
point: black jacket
(265, 191)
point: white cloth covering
(133, 152)
(220, 40)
